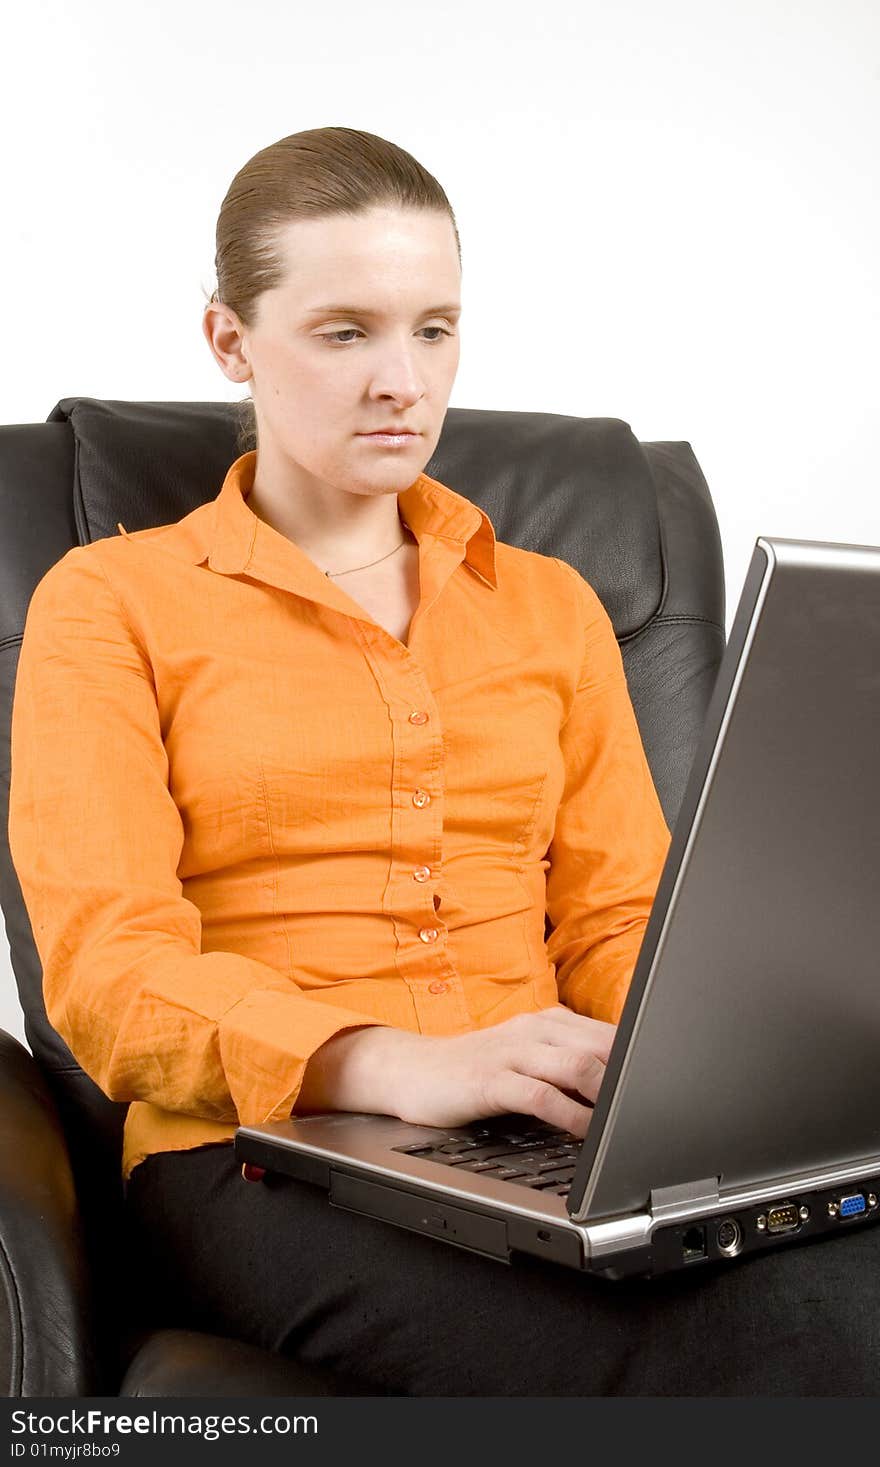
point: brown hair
(309, 175)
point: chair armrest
(180, 1362)
(46, 1312)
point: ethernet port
(693, 1244)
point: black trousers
(274, 1263)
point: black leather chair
(636, 519)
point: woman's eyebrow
(451, 309)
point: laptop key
(497, 1153)
(467, 1158)
(480, 1153)
(564, 1175)
(499, 1150)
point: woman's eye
(335, 336)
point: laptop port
(852, 1206)
(729, 1237)
(693, 1244)
(783, 1218)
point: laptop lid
(747, 1048)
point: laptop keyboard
(528, 1153)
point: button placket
(416, 838)
(421, 800)
(421, 958)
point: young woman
(360, 749)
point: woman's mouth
(390, 440)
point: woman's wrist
(357, 1069)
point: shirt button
(428, 934)
(437, 987)
(421, 873)
(420, 798)
(417, 716)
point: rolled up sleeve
(95, 838)
(610, 838)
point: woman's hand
(543, 1064)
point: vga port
(854, 1204)
(783, 1218)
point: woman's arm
(611, 838)
(96, 838)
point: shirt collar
(241, 543)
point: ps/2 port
(728, 1236)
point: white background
(669, 214)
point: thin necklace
(334, 574)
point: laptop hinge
(667, 1203)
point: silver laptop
(740, 1108)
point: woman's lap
(276, 1264)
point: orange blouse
(245, 817)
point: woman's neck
(331, 526)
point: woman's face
(362, 335)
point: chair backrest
(636, 520)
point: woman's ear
(222, 332)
